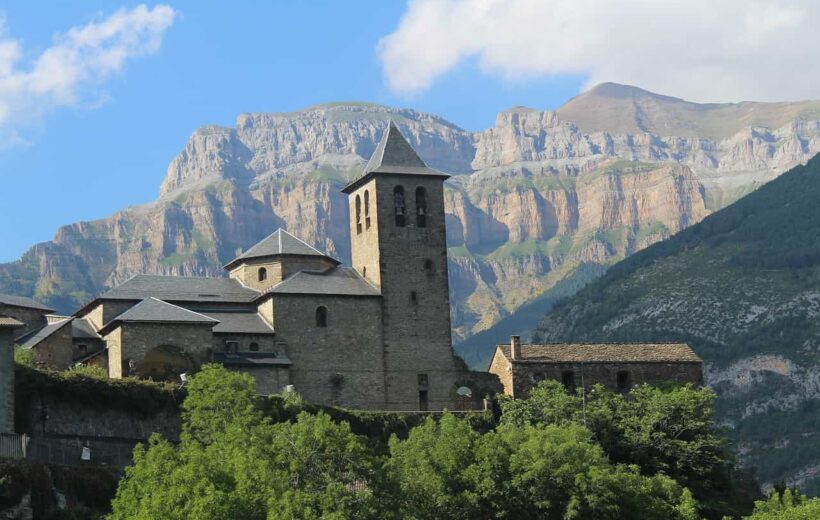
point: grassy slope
(743, 288)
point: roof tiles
(605, 353)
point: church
(375, 335)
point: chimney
(515, 347)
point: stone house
(375, 335)
(8, 326)
(618, 367)
(31, 313)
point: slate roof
(252, 359)
(181, 289)
(280, 242)
(22, 301)
(344, 281)
(82, 328)
(239, 323)
(9, 323)
(153, 310)
(394, 155)
(34, 339)
(605, 353)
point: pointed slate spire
(393, 150)
(394, 155)
(280, 242)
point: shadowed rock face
(531, 199)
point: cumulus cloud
(702, 50)
(69, 72)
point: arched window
(421, 207)
(254, 346)
(398, 198)
(263, 274)
(358, 214)
(364, 272)
(366, 209)
(321, 316)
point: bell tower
(398, 243)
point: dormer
(275, 258)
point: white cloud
(69, 71)
(702, 50)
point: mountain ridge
(534, 200)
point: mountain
(538, 205)
(742, 287)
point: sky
(96, 98)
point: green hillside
(743, 289)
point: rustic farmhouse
(617, 367)
(375, 335)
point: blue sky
(215, 62)
(103, 142)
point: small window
(423, 381)
(254, 346)
(398, 199)
(414, 297)
(321, 316)
(82, 348)
(624, 381)
(231, 346)
(263, 274)
(358, 214)
(424, 403)
(428, 265)
(364, 272)
(421, 207)
(366, 209)
(568, 380)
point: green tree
(233, 463)
(661, 430)
(788, 505)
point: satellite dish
(464, 391)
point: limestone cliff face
(530, 200)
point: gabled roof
(279, 243)
(81, 328)
(342, 281)
(22, 301)
(239, 323)
(181, 289)
(394, 155)
(9, 323)
(152, 310)
(604, 353)
(34, 339)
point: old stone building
(31, 313)
(7, 327)
(375, 335)
(618, 367)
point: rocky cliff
(538, 199)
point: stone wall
(132, 341)
(340, 364)
(526, 375)
(6, 380)
(269, 379)
(264, 342)
(56, 351)
(32, 319)
(107, 310)
(276, 270)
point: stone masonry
(7, 328)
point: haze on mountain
(538, 205)
(742, 288)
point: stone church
(375, 335)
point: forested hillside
(742, 287)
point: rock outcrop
(530, 200)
